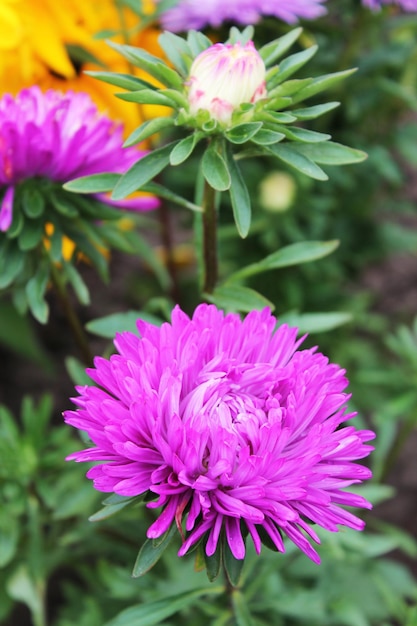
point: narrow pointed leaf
(35, 293)
(331, 153)
(77, 283)
(96, 183)
(275, 49)
(265, 137)
(239, 196)
(311, 113)
(198, 42)
(147, 129)
(143, 171)
(125, 81)
(215, 170)
(297, 160)
(294, 254)
(237, 298)
(213, 562)
(151, 552)
(110, 509)
(146, 96)
(304, 135)
(177, 51)
(292, 64)
(320, 84)
(184, 149)
(315, 322)
(232, 566)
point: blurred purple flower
(229, 425)
(189, 14)
(406, 5)
(59, 136)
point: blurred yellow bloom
(38, 38)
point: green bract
(269, 127)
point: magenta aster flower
(406, 5)
(189, 14)
(230, 425)
(58, 136)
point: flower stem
(72, 317)
(209, 238)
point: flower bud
(223, 77)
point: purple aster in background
(406, 5)
(59, 136)
(230, 425)
(194, 14)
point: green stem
(72, 318)
(209, 238)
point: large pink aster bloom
(406, 5)
(191, 14)
(230, 425)
(59, 136)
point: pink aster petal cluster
(190, 14)
(59, 136)
(230, 425)
(407, 5)
(225, 76)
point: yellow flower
(39, 40)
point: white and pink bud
(223, 77)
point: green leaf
(143, 171)
(150, 63)
(167, 194)
(9, 537)
(294, 254)
(198, 42)
(292, 156)
(77, 283)
(304, 135)
(21, 587)
(311, 113)
(33, 202)
(243, 132)
(235, 36)
(63, 205)
(152, 613)
(16, 226)
(315, 322)
(147, 129)
(238, 298)
(290, 65)
(289, 88)
(96, 183)
(241, 609)
(214, 169)
(12, 266)
(275, 49)
(233, 567)
(110, 509)
(17, 333)
(31, 235)
(109, 325)
(213, 562)
(265, 137)
(151, 552)
(239, 196)
(76, 371)
(146, 96)
(320, 84)
(184, 149)
(35, 293)
(331, 153)
(125, 81)
(177, 51)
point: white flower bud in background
(277, 192)
(223, 77)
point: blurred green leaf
(239, 196)
(215, 169)
(96, 183)
(315, 322)
(151, 552)
(109, 325)
(238, 298)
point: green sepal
(215, 169)
(232, 566)
(151, 552)
(275, 49)
(33, 202)
(239, 196)
(143, 171)
(35, 293)
(31, 235)
(241, 133)
(236, 36)
(213, 562)
(291, 156)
